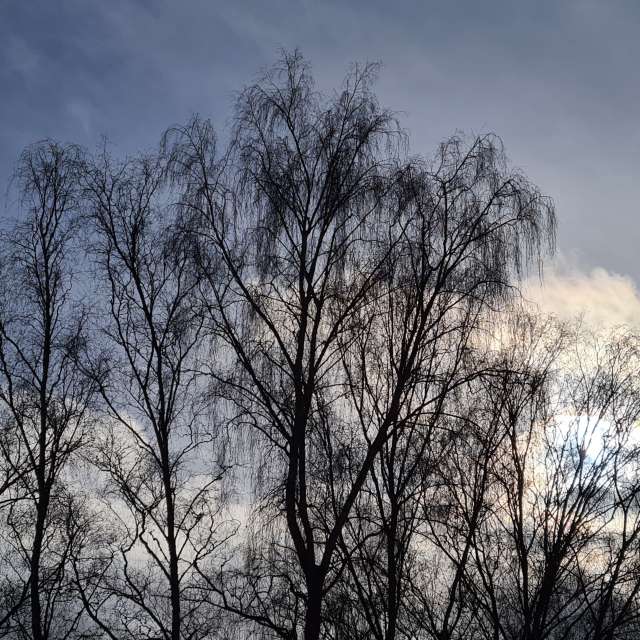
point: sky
(557, 80)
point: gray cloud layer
(558, 80)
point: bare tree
(340, 259)
(45, 398)
(159, 450)
(550, 531)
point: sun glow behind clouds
(591, 435)
(586, 326)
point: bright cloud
(603, 298)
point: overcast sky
(558, 80)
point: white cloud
(604, 299)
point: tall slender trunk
(36, 555)
(392, 569)
(174, 577)
(44, 487)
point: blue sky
(558, 80)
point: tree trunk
(313, 619)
